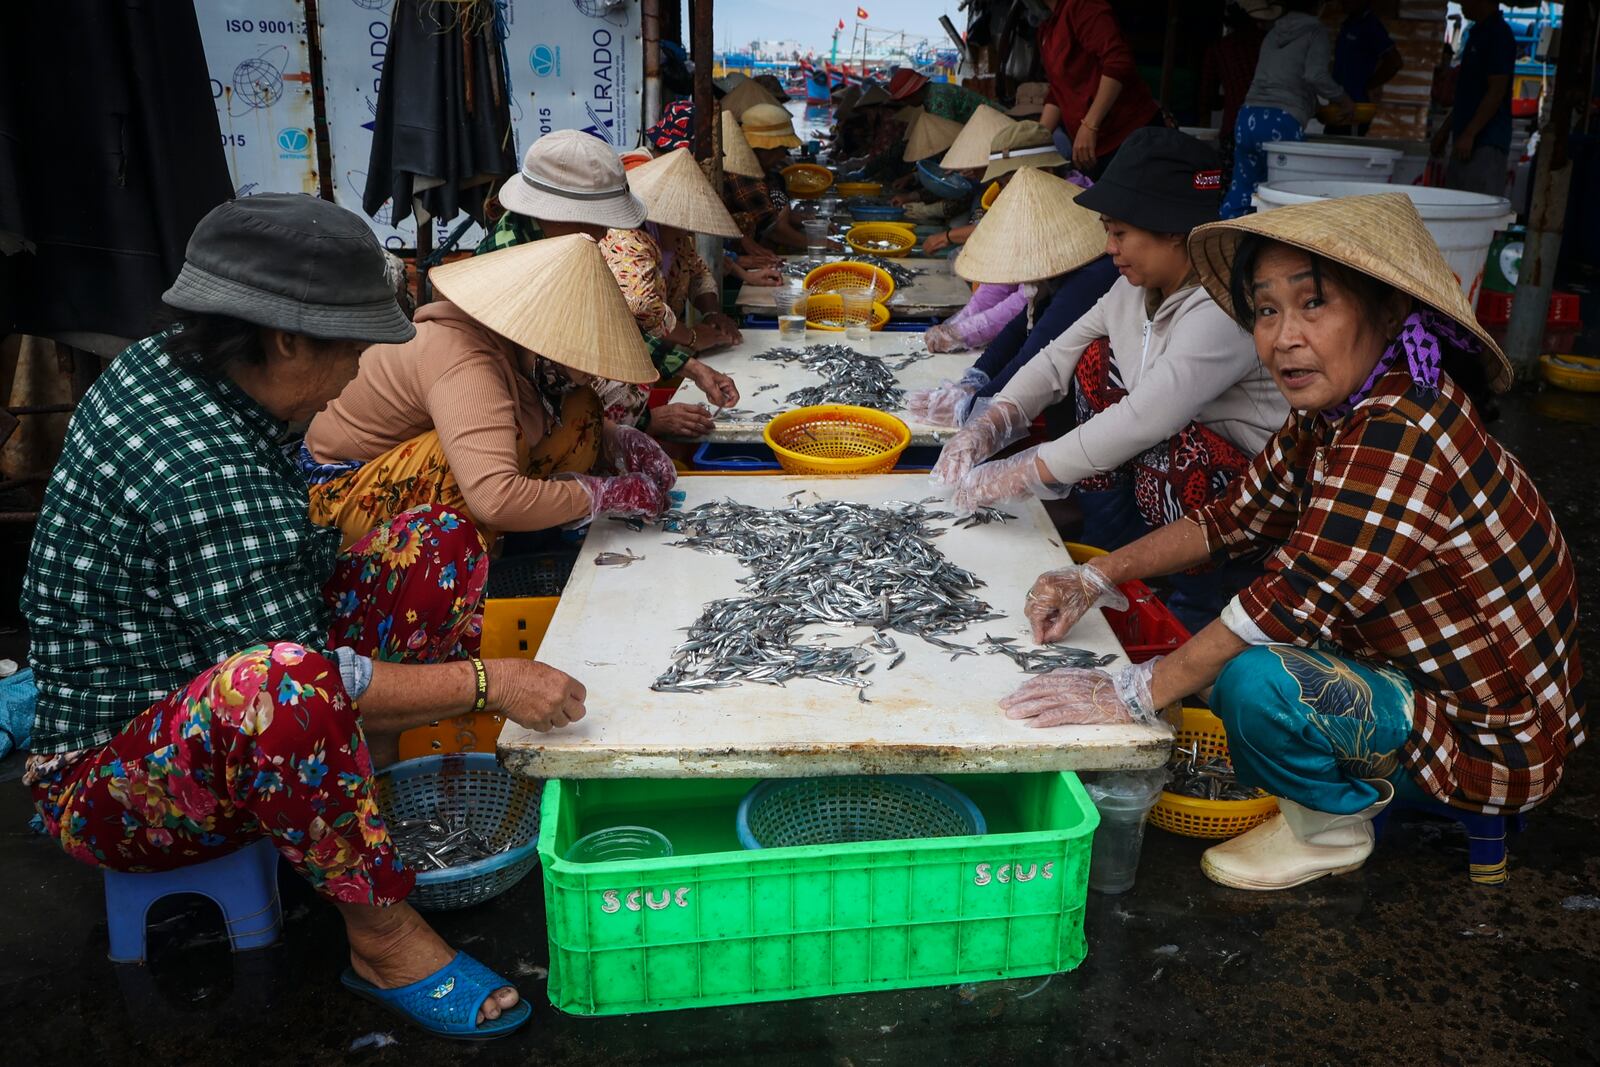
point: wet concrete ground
(1404, 961)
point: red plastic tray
(1148, 628)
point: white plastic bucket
(1292, 161)
(1208, 134)
(1463, 225)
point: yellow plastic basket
(1581, 374)
(1214, 819)
(806, 180)
(836, 439)
(826, 312)
(989, 195)
(886, 239)
(845, 277)
(868, 189)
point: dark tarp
(443, 128)
(109, 155)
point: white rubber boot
(1296, 846)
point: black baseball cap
(291, 262)
(1161, 180)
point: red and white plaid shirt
(1406, 535)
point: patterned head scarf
(1422, 339)
(675, 128)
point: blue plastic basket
(501, 806)
(942, 183)
(864, 210)
(726, 456)
(790, 812)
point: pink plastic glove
(636, 452)
(1074, 697)
(1060, 598)
(944, 338)
(983, 435)
(628, 496)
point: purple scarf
(1422, 339)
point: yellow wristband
(482, 700)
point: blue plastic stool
(244, 884)
(1486, 836)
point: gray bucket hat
(572, 176)
(291, 262)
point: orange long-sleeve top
(460, 378)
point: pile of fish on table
(848, 376)
(831, 562)
(902, 275)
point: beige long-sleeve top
(461, 379)
(1185, 361)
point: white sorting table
(615, 629)
(934, 292)
(752, 374)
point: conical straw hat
(676, 193)
(1381, 236)
(931, 135)
(746, 95)
(909, 115)
(555, 297)
(1035, 230)
(970, 151)
(737, 156)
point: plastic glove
(998, 481)
(979, 439)
(1074, 697)
(949, 403)
(943, 338)
(629, 496)
(636, 452)
(1060, 598)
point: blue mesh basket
(501, 806)
(786, 812)
(942, 183)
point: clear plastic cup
(790, 299)
(816, 237)
(792, 327)
(858, 314)
(1124, 800)
(620, 843)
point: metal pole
(701, 49)
(1551, 182)
(650, 25)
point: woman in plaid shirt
(1415, 631)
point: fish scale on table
(828, 562)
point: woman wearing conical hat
(1413, 638)
(760, 203)
(488, 409)
(662, 275)
(1169, 400)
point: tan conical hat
(930, 135)
(555, 297)
(737, 156)
(769, 126)
(971, 147)
(676, 193)
(746, 95)
(1035, 230)
(1381, 236)
(909, 115)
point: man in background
(1364, 59)
(1478, 129)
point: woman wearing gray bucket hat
(199, 645)
(1171, 402)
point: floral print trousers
(268, 743)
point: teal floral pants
(1315, 726)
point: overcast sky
(811, 22)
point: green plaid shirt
(174, 532)
(515, 229)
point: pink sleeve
(979, 323)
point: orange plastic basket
(848, 276)
(888, 239)
(806, 180)
(1214, 819)
(989, 195)
(826, 312)
(836, 439)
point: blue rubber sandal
(446, 1002)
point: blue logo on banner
(294, 142)
(545, 60)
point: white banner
(261, 81)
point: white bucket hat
(572, 176)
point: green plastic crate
(715, 924)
